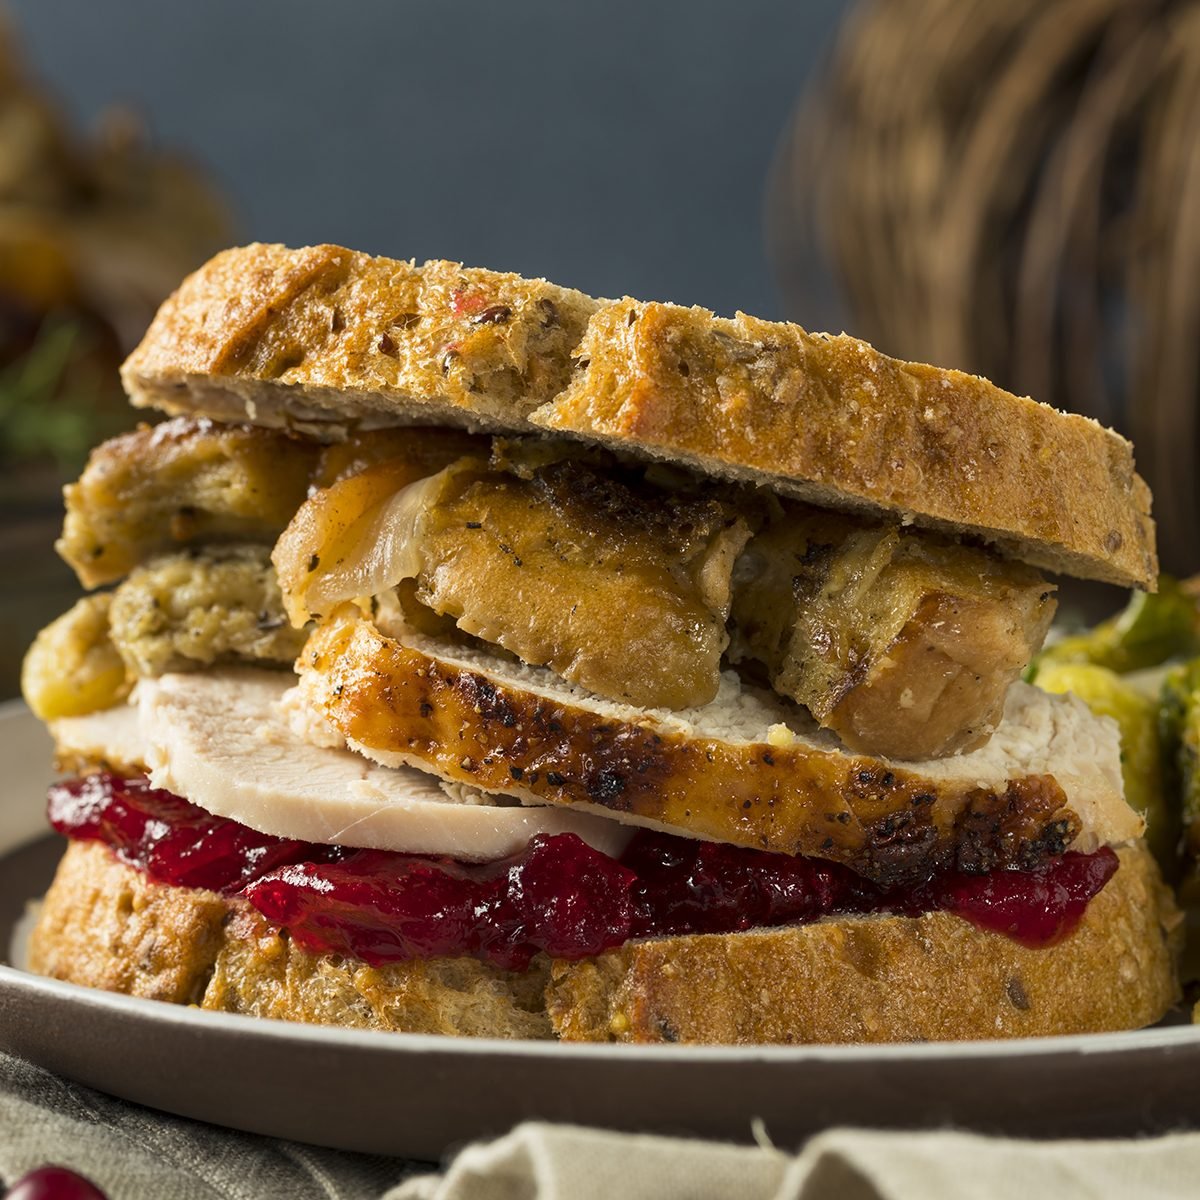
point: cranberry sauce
(558, 894)
(686, 886)
(171, 840)
(1036, 907)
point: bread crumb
(619, 1023)
(780, 735)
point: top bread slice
(324, 339)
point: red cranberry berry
(54, 1183)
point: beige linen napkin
(557, 1162)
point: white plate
(418, 1096)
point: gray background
(618, 147)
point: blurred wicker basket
(1014, 189)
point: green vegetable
(48, 405)
(1150, 630)
(1179, 734)
(1137, 715)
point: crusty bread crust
(325, 339)
(401, 703)
(262, 973)
(835, 422)
(864, 979)
(102, 924)
(105, 925)
(879, 979)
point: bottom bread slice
(853, 979)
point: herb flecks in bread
(637, 565)
(863, 979)
(329, 339)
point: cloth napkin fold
(557, 1162)
(134, 1153)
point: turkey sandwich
(465, 654)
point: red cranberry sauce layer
(164, 835)
(558, 894)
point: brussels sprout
(1179, 734)
(1188, 898)
(1150, 630)
(1137, 715)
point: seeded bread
(870, 979)
(738, 770)
(105, 925)
(323, 339)
(326, 339)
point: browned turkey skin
(638, 584)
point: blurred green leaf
(44, 412)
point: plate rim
(198, 1020)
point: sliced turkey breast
(747, 768)
(225, 740)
